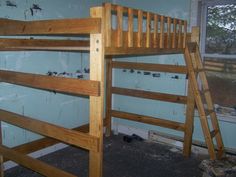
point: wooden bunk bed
(161, 35)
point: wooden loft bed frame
(162, 35)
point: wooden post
(189, 122)
(140, 28)
(108, 95)
(155, 31)
(130, 28)
(119, 26)
(108, 24)
(1, 157)
(148, 29)
(162, 28)
(97, 102)
(174, 33)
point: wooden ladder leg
(189, 122)
(1, 157)
(199, 103)
(210, 105)
(108, 95)
(96, 102)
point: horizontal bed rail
(143, 29)
(149, 120)
(59, 84)
(68, 136)
(150, 67)
(7, 44)
(150, 95)
(50, 27)
(34, 164)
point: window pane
(221, 29)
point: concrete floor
(122, 159)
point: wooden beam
(140, 51)
(33, 164)
(43, 44)
(59, 84)
(155, 31)
(150, 67)
(97, 60)
(148, 120)
(150, 95)
(140, 28)
(174, 33)
(1, 155)
(108, 26)
(50, 27)
(119, 26)
(148, 30)
(162, 32)
(47, 129)
(108, 95)
(130, 28)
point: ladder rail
(210, 105)
(193, 63)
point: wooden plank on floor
(33, 164)
(47, 129)
(148, 120)
(58, 84)
(50, 27)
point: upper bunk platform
(126, 31)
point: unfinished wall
(161, 82)
(60, 109)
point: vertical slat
(108, 24)
(140, 28)
(185, 34)
(155, 28)
(130, 28)
(168, 32)
(162, 32)
(108, 95)
(174, 33)
(119, 26)
(97, 103)
(148, 29)
(180, 34)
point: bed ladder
(201, 92)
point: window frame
(203, 24)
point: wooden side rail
(150, 95)
(50, 27)
(68, 136)
(33, 164)
(150, 67)
(149, 120)
(59, 84)
(144, 29)
(43, 44)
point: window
(218, 48)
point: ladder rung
(205, 91)
(213, 133)
(208, 112)
(199, 70)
